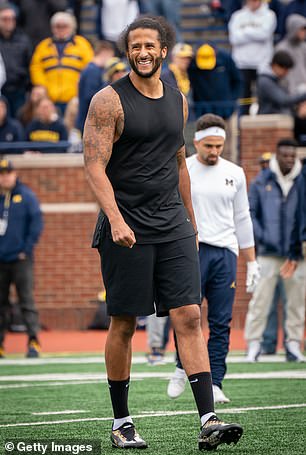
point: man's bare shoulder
(106, 110)
(107, 99)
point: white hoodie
(251, 36)
(285, 181)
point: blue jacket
(24, 223)
(11, 130)
(216, 90)
(272, 214)
(91, 81)
(299, 231)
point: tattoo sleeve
(103, 126)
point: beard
(211, 161)
(156, 66)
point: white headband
(212, 131)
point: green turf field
(62, 400)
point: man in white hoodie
(273, 198)
(251, 32)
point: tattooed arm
(184, 180)
(103, 126)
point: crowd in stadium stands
(265, 72)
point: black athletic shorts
(149, 277)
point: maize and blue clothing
(24, 222)
(216, 90)
(21, 226)
(58, 65)
(52, 132)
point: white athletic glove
(253, 275)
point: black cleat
(215, 432)
(126, 437)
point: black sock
(119, 391)
(201, 385)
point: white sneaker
(253, 351)
(219, 396)
(177, 383)
(293, 352)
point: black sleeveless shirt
(143, 168)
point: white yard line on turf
(154, 414)
(53, 413)
(137, 359)
(54, 384)
(46, 377)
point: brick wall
(67, 270)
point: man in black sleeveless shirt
(146, 231)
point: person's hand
(122, 234)
(253, 275)
(288, 268)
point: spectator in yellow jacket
(58, 61)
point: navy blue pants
(218, 285)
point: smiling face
(144, 53)
(209, 149)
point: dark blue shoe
(33, 349)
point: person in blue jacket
(298, 235)
(91, 79)
(273, 197)
(20, 227)
(11, 130)
(215, 81)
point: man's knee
(123, 326)
(186, 318)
